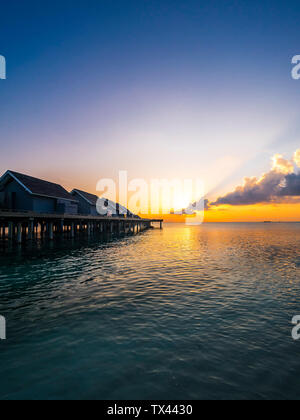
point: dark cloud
(291, 186)
(281, 184)
(254, 191)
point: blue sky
(160, 88)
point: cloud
(282, 165)
(254, 190)
(291, 186)
(272, 187)
(200, 205)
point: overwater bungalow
(90, 204)
(19, 192)
(87, 203)
(30, 207)
(112, 209)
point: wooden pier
(23, 226)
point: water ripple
(187, 313)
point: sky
(159, 88)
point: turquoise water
(184, 313)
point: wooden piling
(51, 233)
(19, 233)
(22, 226)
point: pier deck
(22, 226)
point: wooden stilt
(10, 230)
(19, 234)
(51, 233)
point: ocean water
(198, 312)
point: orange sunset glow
(254, 213)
